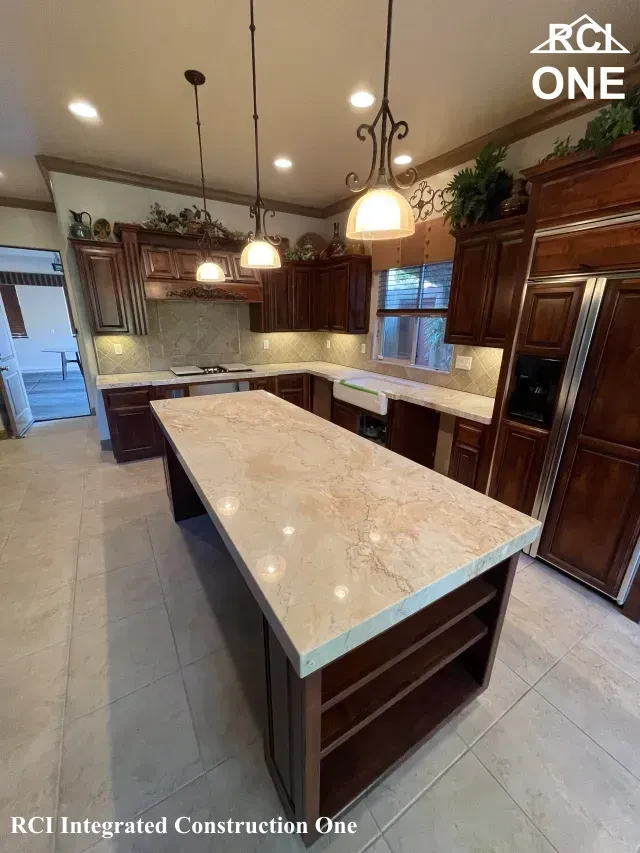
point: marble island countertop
(459, 403)
(337, 538)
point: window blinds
(418, 289)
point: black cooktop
(216, 368)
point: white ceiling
(459, 70)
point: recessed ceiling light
(402, 159)
(362, 99)
(282, 163)
(83, 109)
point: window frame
(416, 314)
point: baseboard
(105, 444)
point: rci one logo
(584, 35)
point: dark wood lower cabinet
(518, 465)
(467, 445)
(413, 432)
(321, 397)
(294, 388)
(131, 424)
(331, 735)
(263, 383)
(345, 415)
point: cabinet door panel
(413, 432)
(131, 424)
(345, 415)
(103, 273)
(158, 263)
(519, 458)
(302, 280)
(505, 268)
(322, 298)
(594, 516)
(321, 397)
(280, 286)
(186, 263)
(470, 269)
(609, 248)
(468, 438)
(294, 388)
(548, 319)
(339, 274)
(263, 383)
(359, 296)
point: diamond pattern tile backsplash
(199, 333)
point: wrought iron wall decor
(390, 130)
(425, 201)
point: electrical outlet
(265, 344)
(363, 348)
(117, 348)
(463, 362)
(328, 344)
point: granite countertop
(459, 403)
(337, 538)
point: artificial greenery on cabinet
(474, 193)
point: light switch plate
(463, 362)
(363, 348)
(265, 344)
(328, 344)
(117, 348)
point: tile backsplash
(195, 332)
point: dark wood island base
(330, 736)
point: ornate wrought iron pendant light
(260, 252)
(208, 270)
(382, 213)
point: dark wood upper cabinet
(332, 295)
(321, 300)
(280, 296)
(548, 319)
(186, 263)
(594, 516)
(103, 274)
(339, 276)
(301, 285)
(613, 247)
(485, 268)
(467, 445)
(158, 263)
(518, 465)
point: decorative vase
(518, 201)
(336, 246)
(78, 227)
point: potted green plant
(475, 193)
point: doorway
(44, 339)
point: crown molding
(49, 164)
(542, 119)
(27, 204)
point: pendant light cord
(204, 198)
(385, 92)
(252, 30)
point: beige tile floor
(130, 685)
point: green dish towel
(357, 387)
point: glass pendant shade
(209, 271)
(380, 214)
(259, 255)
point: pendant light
(382, 213)
(260, 252)
(208, 269)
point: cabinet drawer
(469, 433)
(612, 248)
(127, 398)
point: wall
(46, 319)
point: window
(412, 314)
(13, 311)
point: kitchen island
(383, 585)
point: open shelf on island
(369, 661)
(361, 707)
(351, 768)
